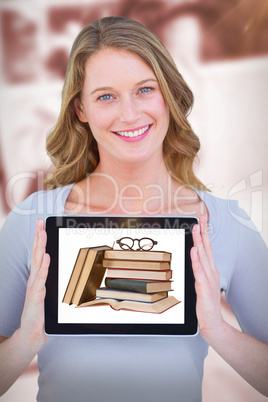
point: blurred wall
(220, 47)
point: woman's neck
(149, 173)
(132, 189)
(124, 188)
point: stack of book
(136, 280)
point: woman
(123, 145)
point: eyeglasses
(145, 243)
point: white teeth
(135, 133)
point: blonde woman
(123, 145)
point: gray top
(132, 369)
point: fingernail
(204, 218)
(197, 228)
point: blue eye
(105, 97)
(146, 89)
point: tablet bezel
(53, 327)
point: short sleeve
(15, 247)
(247, 289)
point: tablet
(118, 275)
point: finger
(41, 247)
(38, 256)
(39, 226)
(38, 229)
(199, 274)
(198, 243)
(38, 290)
(42, 274)
(206, 240)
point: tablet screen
(120, 275)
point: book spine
(138, 255)
(135, 264)
(142, 275)
(126, 284)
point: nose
(129, 110)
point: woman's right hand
(32, 320)
(17, 352)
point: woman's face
(124, 107)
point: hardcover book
(126, 295)
(136, 264)
(138, 255)
(138, 286)
(139, 274)
(77, 269)
(87, 275)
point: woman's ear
(79, 110)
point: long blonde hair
(71, 145)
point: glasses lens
(126, 243)
(146, 243)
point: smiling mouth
(133, 133)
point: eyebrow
(111, 88)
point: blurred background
(221, 49)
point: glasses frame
(154, 242)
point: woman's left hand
(247, 355)
(207, 282)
